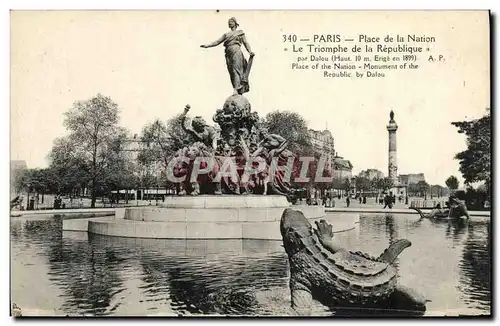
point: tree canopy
(34, 180)
(386, 183)
(94, 141)
(475, 161)
(160, 142)
(363, 183)
(69, 169)
(422, 187)
(452, 182)
(291, 126)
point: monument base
(210, 217)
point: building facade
(324, 144)
(414, 178)
(342, 168)
(18, 164)
(132, 147)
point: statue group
(347, 279)
(239, 136)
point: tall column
(393, 164)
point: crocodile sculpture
(335, 277)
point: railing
(86, 205)
(427, 204)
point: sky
(150, 63)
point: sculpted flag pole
(249, 66)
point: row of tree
(475, 161)
(365, 184)
(93, 155)
(89, 156)
(96, 153)
(419, 189)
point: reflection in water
(195, 278)
(389, 228)
(101, 275)
(88, 276)
(475, 266)
(391, 235)
(456, 230)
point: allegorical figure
(272, 142)
(237, 65)
(199, 129)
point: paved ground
(371, 202)
(48, 203)
(340, 205)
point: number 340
(290, 38)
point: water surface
(74, 273)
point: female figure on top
(237, 65)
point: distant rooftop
(325, 132)
(342, 163)
(18, 164)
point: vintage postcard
(250, 163)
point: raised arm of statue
(272, 141)
(185, 127)
(280, 149)
(214, 43)
(198, 136)
(183, 117)
(188, 127)
(279, 138)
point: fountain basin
(209, 217)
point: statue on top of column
(237, 66)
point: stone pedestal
(208, 217)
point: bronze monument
(242, 141)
